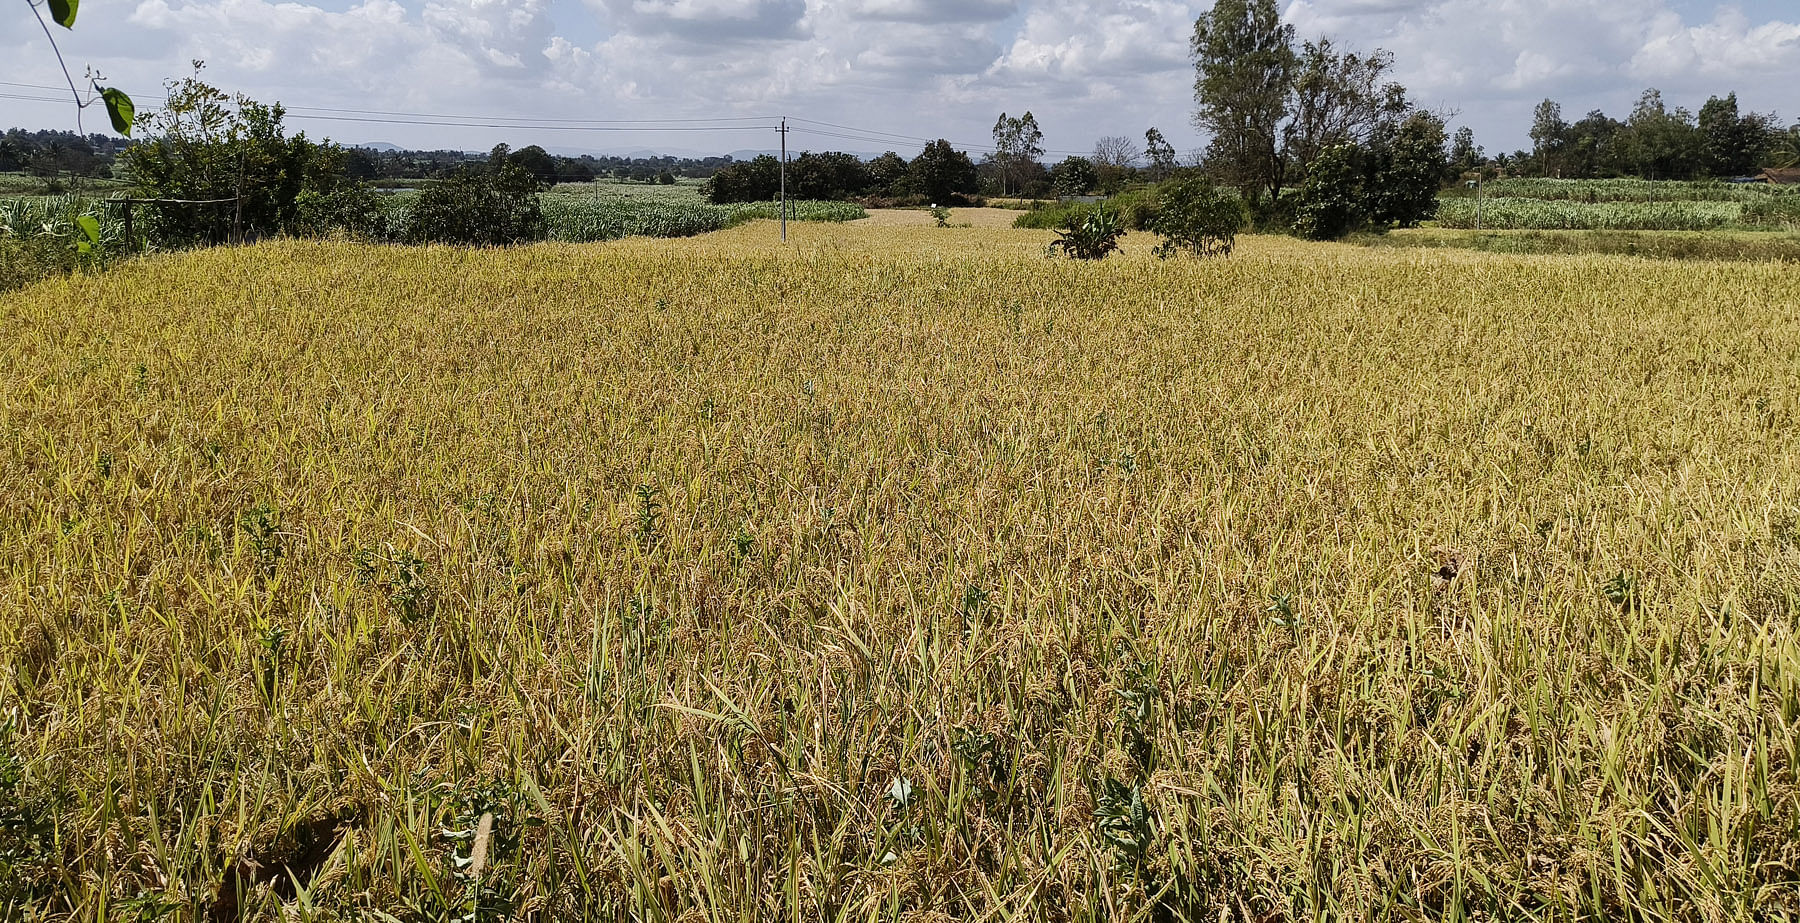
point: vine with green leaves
(119, 107)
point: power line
(875, 135)
(519, 126)
(723, 123)
(824, 129)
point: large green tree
(1018, 143)
(1340, 97)
(757, 180)
(1409, 166)
(944, 174)
(494, 204)
(888, 174)
(1245, 62)
(1659, 142)
(1549, 137)
(537, 162)
(1733, 144)
(1391, 181)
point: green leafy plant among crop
(1089, 234)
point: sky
(713, 76)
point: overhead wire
(818, 128)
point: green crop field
(1563, 214)
(900, 574)
(1620, 205)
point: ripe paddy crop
(900, 574)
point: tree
(1732, 144)
(1340, 98)
(1018, 142)
(829, 176)
(887, 174)
(1391, 181)
(1549, 133)
(1074, 176)
(758, 180)
(1160, 155)
(1591, 147)
(1465, 155)
(1659, 143)
(211, 146)
(943, 174)
(1784, 148)
(1115, 151)
(1331, 198)
(537, 162)
(488, 205)
(1113, 160)
(1244, 59)
(1406, 172)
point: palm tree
(1785, 152)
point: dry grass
(903, 574)
(921, 218)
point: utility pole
(784, 131)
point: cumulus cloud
(1494, 59)
(1094, 41)
(505, 34)
(711, 20)
(933, 11)
(909, 68)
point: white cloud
(710, 21)
(924, 68)
(933, 11)
(506, 34)
(1494, 59)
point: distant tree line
(939, 174)
(52, 154)
(1655, 141)
(370, 164)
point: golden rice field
(900, 575)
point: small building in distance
(1777, 176)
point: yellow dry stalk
(903, 573)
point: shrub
(757, 180)
(1137, 207)
(1089, 233)
(488, 205)
(1331, 200)
(351, 207)
(1042, 217)
(1194, 216)
(210, 146)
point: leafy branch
(119, 107)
